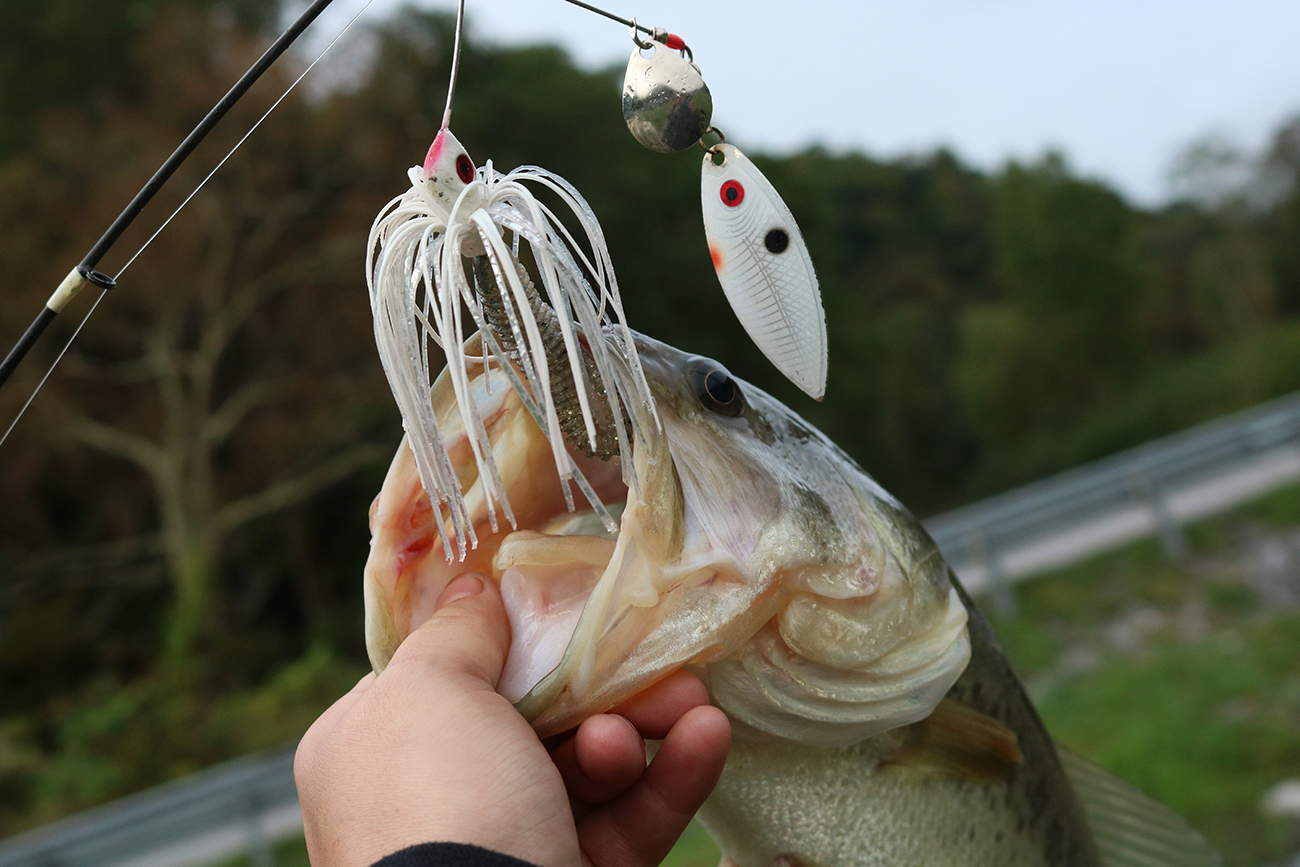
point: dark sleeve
(449, 855)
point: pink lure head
(447, 168)
(447, 157)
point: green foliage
(1067, 265)
(111, 738)
(1208, 728)
(1172, 394)
(75, 54)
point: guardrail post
(999, 588)
(1168, 529)
(259, 847)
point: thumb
(468, 633)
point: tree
(1072, 280)
(229, 367)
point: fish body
(884, 801)
(875, 720)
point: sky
(1120, 86)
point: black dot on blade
(776, 241)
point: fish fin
(957, 741)
(1130, 829)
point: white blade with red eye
(764, 268)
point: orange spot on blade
(716, 255)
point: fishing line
(455, 64)
(65, 348)
(137, 204)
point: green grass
(1206, 729)
(695, 849)
(1205, 720)
(1278, 509)
(289, 852)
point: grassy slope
(1178, 676)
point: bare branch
(286, 492)
(141, 451)
(246, 398)
(100, 557)
(251, 294)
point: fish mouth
(813, 607)
(595, 615)
(546, 564)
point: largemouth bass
(875, 719)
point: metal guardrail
(1153, 489)
(237, 808)
(243, 806)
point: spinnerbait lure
(454, 242)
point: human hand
(428, 751)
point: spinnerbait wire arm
(85, 274)
(658, 34)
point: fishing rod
(84, 274)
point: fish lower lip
(545, 581)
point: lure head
(448, 170)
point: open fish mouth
(747, 548)
(546, 565)
(595, 614)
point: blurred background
(1030, 259)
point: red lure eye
(464, 169)
(732, 193)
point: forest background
(184, 507)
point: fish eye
(717, 391)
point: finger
(467, 634)
(655, 710)
(639, 827)
(602, 759)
